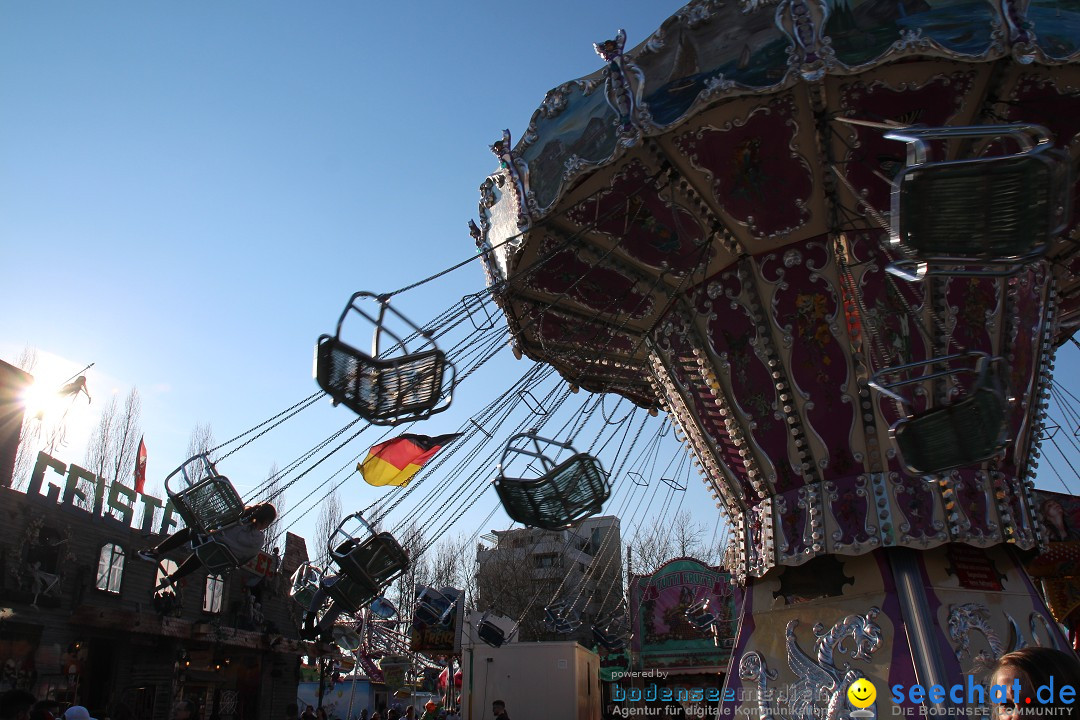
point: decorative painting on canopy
(754, 161)
(645, 225)
(867, 31)
(736, 342)
(870, 159)
(1056, 26)
(587, 282)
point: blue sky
(189, 193)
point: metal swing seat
(983, 216)
(435, 607)
(368, 560)
(561, 619)
(383, 609)
(963, 432)
(305, 583)
(490, 632)
(206, 501)
(700, 616)
(568, 487)
(346, 637)
(403, 379)
(610, 632)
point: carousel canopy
(735, 222)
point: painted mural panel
(665, 637)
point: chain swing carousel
(833, 240)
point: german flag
(395, 461)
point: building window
(215, 589)
(547, 560)
(166, 567)
(110, 568)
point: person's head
(1034, 670)
(15, 705)
(498, 707)
(184, 710)
(1054, 513)
(77, 712)
(262, 515)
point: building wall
(98, 648)
(526, 569)
(570, 689)
(13, 382)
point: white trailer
(536, 680)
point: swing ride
(834, 242)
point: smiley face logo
(862, 693)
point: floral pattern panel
(756, 171)
(805, 308)
(738, 343)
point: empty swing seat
(305, 583)
(699, 615)
(405, 377)
(570, 492)
(568, 486)
(383, 608)
(964, 432)
(434, 607)
(560, 619)
(995, 213)
(379, 390)
(610, 641)
(491, 633)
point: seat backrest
(375, 561)
(965, 432)
(491, 633)
(208, 504)
(380, 389)
(215, 555)
(352, 593)
(569, 492)
(986, 207)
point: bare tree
(101, 448)
(448, 563)
(329, 519)
(30, 436)
(201, 440)
(403, 591)
(276, 495)
(125, 436)
(507, 586)
(663, 540)
(113, 444)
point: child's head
(263, 515)
(1033, 668)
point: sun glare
(40, 399)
